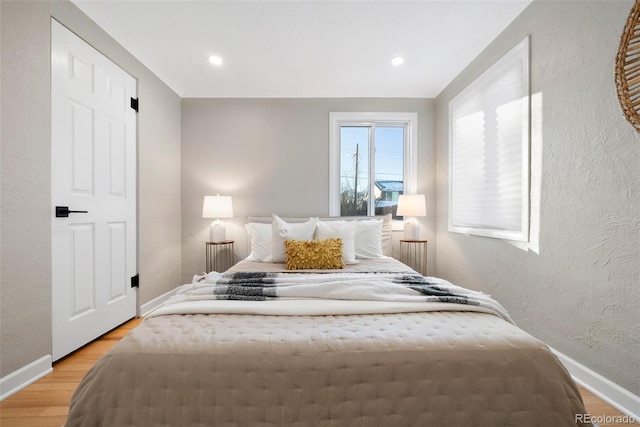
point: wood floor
(46, 402)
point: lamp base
(217, 231)
(411, 229)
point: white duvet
(323, 294)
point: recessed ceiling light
(215, 60)
(398, 60)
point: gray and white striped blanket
(389, 287)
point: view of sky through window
(355, 165)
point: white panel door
(93, 169)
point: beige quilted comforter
(432, 368)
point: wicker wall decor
(627, 68)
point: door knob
(63, 211)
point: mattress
(443, 365)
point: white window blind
(489, 151)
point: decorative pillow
(314, 254)
(282, 230)
(260, 238)
(345, 230)
(368, 241)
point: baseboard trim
(148, 307)
(17, 380)
(615, 395)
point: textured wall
(577, 284)
(272, 156)
(25, 294)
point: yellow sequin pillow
(314, 254)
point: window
(489, 151)
(372, 162)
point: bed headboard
(386, 225)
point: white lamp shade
(411, 205)
(217, 207)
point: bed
(372, 343)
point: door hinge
(135, 281)
(134, 104)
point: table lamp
(411, 206)
(217, 207)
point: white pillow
(260, 238)
(386, 235)
(346, 230)
(282, 230)
(369, 238)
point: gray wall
(272, 156)
(25, 292)
(576, 286)
(25, 296)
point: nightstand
(219, 255)
(414, 254)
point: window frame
(518, 53)
(410, 169)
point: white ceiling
(304, 48)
